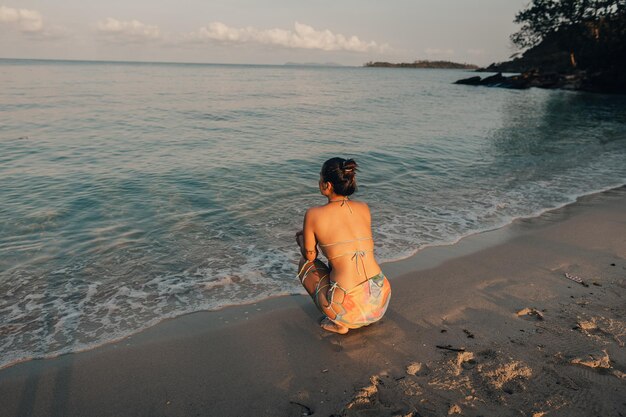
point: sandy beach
(496, 324)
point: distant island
(422, 64)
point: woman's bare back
(343, 231)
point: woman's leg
(315, 277)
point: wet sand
(497, 324)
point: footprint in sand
(600, 362)
(596, 361)
(464, 360)
(588, 326)
(530, 314)
(417, 369)
(509, 377)
(600, 326)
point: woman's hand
(300, 238)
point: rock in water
(493, 80)
(469, 81)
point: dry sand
(490, 326)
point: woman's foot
(330, 326)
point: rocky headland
(580, 46)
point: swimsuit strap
(356, 255)
(359, 254)
(343, 201)
(301, 276)
(334, 285)
(358, 239)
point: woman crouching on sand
(351, 291)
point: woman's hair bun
(349, 166)
(342, 174)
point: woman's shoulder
(360, 205)
(313, 211)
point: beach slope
(526, 320)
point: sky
(347, 32)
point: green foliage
(538, 21)
(544, 17)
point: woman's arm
(309, 246)
(300, 241)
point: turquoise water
(134, 192)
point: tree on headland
(593, 32)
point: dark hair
(341, 173)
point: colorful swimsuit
(362, 305)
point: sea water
(133, 192)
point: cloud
(132, 30)
(31, 24)
(439, 52)
(302, 36)
(27, 21)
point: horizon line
(113, 61)
(285, 64)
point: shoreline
(414, 262)
(268, 357)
